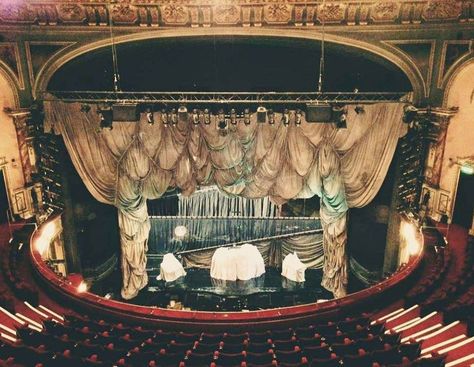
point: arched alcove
(460, 135)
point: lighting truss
(240, 98)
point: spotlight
(342, 122)
(359, 110)
(271, 117)
(182, 113)
(180, 232)
(207, 117)
(233, 116)
(173, 117)
(195, 117)
(221, 122)
(409, 113)
(299, 115)
(85, 108)
(164, 117)
(285, 117)
(261, 114)
(82, 287)
(149, 116)
(247, 116)
(339, 114)
(106, 120)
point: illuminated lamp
(180, 231)
(82, 287)
(467, 169)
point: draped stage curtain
(213, 203)
(136, 161)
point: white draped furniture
(237, 263)
(292, 268)
(171, 269)
(137, 161)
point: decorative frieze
(203, 13)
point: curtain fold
(136, 161)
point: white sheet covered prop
(237, 263)
(292, 268)
(171, 269)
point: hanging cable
(116, 77)
(321, 60)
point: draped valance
(136, 161)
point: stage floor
(198, 291)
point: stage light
(149, 116)
(414, 247)
(409, 234)
(82, 287)
(467, 169)
(173, 117)
(106, 118)
(271, 117)
(233, 116)
(247, 116)
(42, 245)
(164, 117)
(261, 114)
(180, 231)
(409, 113)
(48, 230)
(108, 296)
(207, 117)
(359, 110)
(182, 113)
(221, 122)
(195, 117)
(299, 115)
(285, 117)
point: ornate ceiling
(244, 13)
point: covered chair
(171, 269)
(293, 268)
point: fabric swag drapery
(136, 161)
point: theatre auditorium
(237, 183)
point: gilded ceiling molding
(206, 13)
(454, 72)
(402, 62)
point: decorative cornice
(206, 13)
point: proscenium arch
(56, 62)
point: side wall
(460, 135)
(10, 161)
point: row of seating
(13, 271)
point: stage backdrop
(136, 161)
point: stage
(198, 291)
